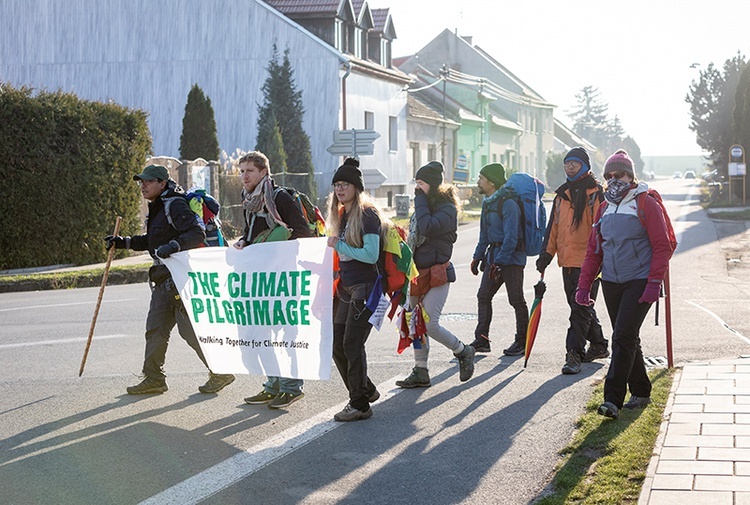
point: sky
(637, 53)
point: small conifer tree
(199, 138)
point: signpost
(353, 142)
(461, 172)
(736, 168)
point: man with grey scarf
(270, 214)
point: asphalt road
(494, 439)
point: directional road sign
(373, 178)
(360, 136)
(345, 149)
(353, 142)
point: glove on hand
(118, 242)
(418, 191)
(650, 293)
(495, 271)
(476, 266)
(583, 297)
(167, 250)
(543, 262)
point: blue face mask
(584, 169)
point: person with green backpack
(270, 215)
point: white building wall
(147, 54)
(385, 99)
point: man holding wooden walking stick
(165, 235)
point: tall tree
(614, 134)
(711, 101)
(199, 138)
(271, 144)
(590, 117)
(280, 94)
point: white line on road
(721, 321)
(224, 474)
(66, 304)
(60, 341)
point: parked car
(676, 174)
(689, 174)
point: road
(494, 439)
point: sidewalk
(702, 453)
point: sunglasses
(615, 175)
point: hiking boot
(637, 402)
(572, 363)
(515, 349)
(148, 386)
(351, 414)
(216, 382)
(285, 399)
(419, 378)
(481, 344)
(608, 409)
(261, 398)
(596, 351)
(374, 396)
(465, 363)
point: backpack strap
(167, 204)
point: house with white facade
(502, 118)
(147, 54)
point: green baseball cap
(152, 172)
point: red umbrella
(535, 315)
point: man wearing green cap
(499, 258)
(163, 238)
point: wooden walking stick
(99, 300)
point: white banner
(264, 310)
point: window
(431, 152)
(393, 133)
(369, 120)
(385, 53)
(339, 35)
(357, 42)
(416, 159)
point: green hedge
(67, 166)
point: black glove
(543, 262)
(418, 191)
(167, 250)
(118, 242)
(495, 271)
(477, 265)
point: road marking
(222, 475)
(60, 341)
(67, 304)
(721, 322)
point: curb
(648, 481)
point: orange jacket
(562, 239)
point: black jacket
(438, 221)
(186, 230)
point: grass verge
(606, 461)
(76, 279)
(741, 215)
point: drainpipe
(348, 66)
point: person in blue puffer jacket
(499, 258)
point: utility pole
(444, 76)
